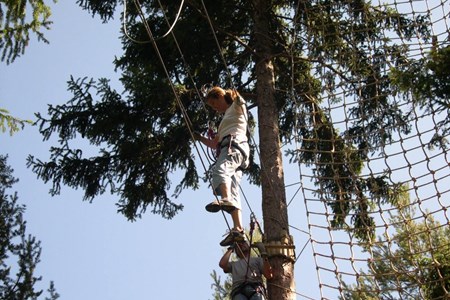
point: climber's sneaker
(223, 204)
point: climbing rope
(171, 27)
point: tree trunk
(276, 225)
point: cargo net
(374, 169)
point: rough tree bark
(274, 207)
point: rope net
(400, 187)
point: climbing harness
(230, 142)
(248, 289)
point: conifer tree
(259, 48)
(19, 252)
(18, 19)
(419, 254)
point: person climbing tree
(247, 271)
(232, 158)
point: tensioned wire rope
(256, 148)
(180, 104)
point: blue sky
(89, 250)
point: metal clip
(205, 89)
